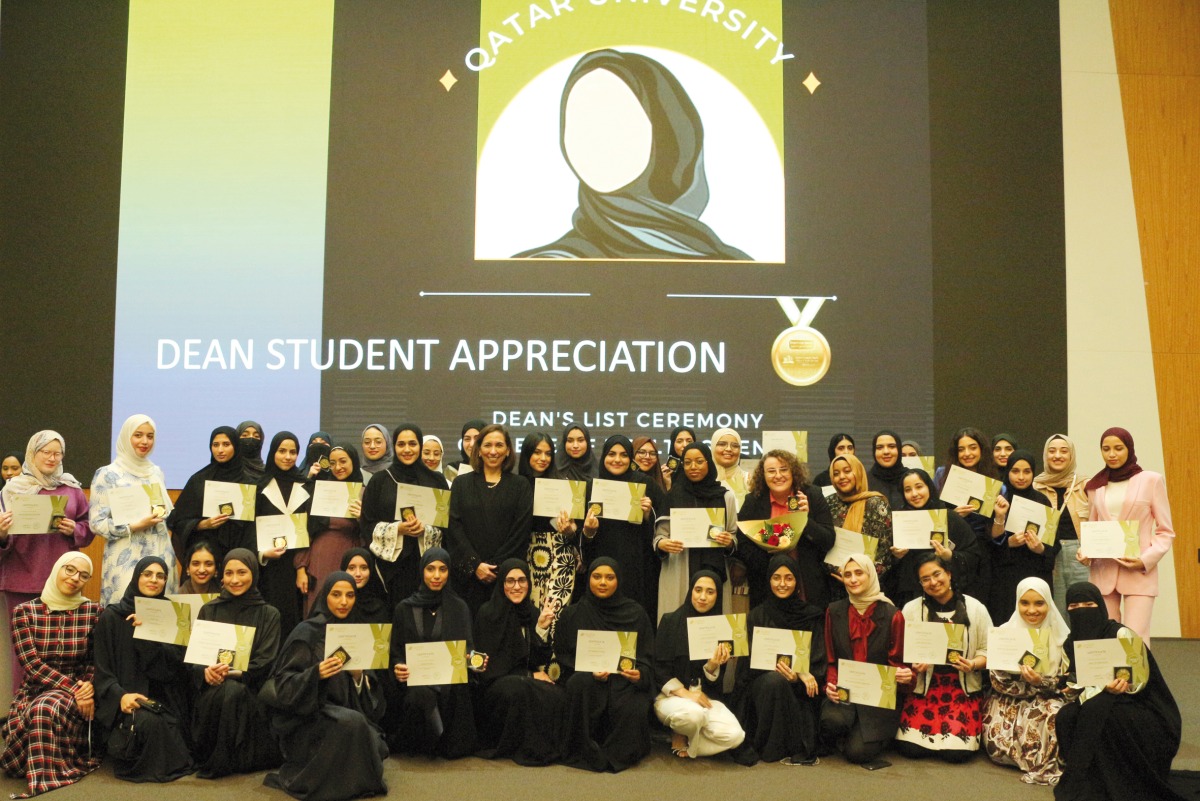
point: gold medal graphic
(801, 355)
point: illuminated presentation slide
(633, 215)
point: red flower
(777, 528)
(773, 540)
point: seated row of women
(323, 727)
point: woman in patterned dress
(127, 543)
(1018, 724)
(46, 736)
(856, 507)
(942, 715)
(553, 555)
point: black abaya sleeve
(972, 566)
(515, 544)
(297, 680)
(265, 647)
(462, 552)
(106, 683)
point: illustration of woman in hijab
(634, 139)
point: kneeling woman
(325, 717)
(607, 725)
(864, 627)
(521, 708)
(130, 673)
(780, 708)
(46, 734)
(1018, 724)
(436, 720)
(231, 729)
(1118, 741)
(942, 715)
(690, 696)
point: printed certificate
(214, 643)
(791, 441)
(848, 543)
(917, 529)
(1098, 662)
(282, 531)
(431, 506)
(365, 645)
(934, 643)
(966, 488)
(1008, 648)
(162, 620)
(705, 632)
(1110, 539)
(772, 645)
(36, 514)
(193, 600)
(132, 504)
(432, 663)
(333, 498)
(605, 651)
(227, 498)
(554, 495)
(620, 500)
(1025, 515)
(695, 527)
(866, 683)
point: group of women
(518, 590)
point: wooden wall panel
(1157, 45)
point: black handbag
(125, 740)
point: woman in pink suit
(1124, 491)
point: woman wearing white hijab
(46, 735)
(26, 561)
(127, 542)
(727, 453)
(1018, 722)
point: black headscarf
(126, 606)
(671, 641)
(20, 457)
(251, 448)
(476, 424)
(356, 475)
(225, 471)
(528, 446)
(285, 479)
(315, 451)
(372, 601)
(1087, 623)
(705, 493)
(1029, 493)
(501, 623)
(891, 474)
(614, 613)
(833, 443)
(934, 502)
(418, 472)
(252, 596)
(320, 609)
(657, 214)
(792, 612)
(632, 475)
(579, 468)
(425, 598)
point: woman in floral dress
(553, 554)
(1018, 724)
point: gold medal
(801, 356)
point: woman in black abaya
(371, 602)
(1023, 555)
(231, 728)
(326, 716)
(780, 708)
(129, 671)
(187, 522)
(607, 728)
(433, 720)
(520, 707)
(281, 491)
(631, 544)
(398, 544)
(1116, 742)
(657, 214)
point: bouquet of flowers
(777, 534)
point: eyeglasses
(71, 572)
(52, 454)
(727, 446)
(937, 575)
(516, 582)
(647, 453)
(155, 575)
